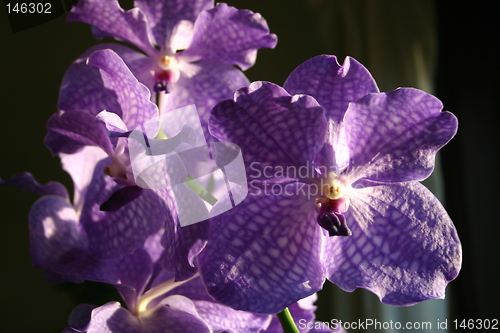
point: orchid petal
(80, 167)
(109, 17)
(404, 247)
(204, 84)
(273, 129)
(112, 234)
(229, 36)
(55, 235)
(82, 88)
(133, 97)
(264, 254)
(72, 130)
(332, 85)
(164, 16)
(394, 137)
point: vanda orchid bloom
(334, 169)
(188, 50)
(153, 301)
(117, 215)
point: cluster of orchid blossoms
(355, 214)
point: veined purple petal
(112, 234)
(80, 167)
(229, 36)
(404, 247)
(393, 137)
(221, 318)
(266, 253)
(25, 181)
(72, 130)
(332, 85)
(114, 124)
(109, 17)
(272, 128)
(164, 15)
(153, 246)
(55, 235)
(110, 318)
(82, 88)
(134, 271)
(182, 245)
(129, 274)
(133, 97)
(204, 84)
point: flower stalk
(287, 322)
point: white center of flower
(167, 62)
(333, 187)
(165, 71)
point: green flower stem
(287, 322)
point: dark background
(33, 61)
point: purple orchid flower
(73, 242)
(117, 215)
(188, 49)
(333, 168)
(154, 301)
(100, 167)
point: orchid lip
(330, 215)
(335, 224)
